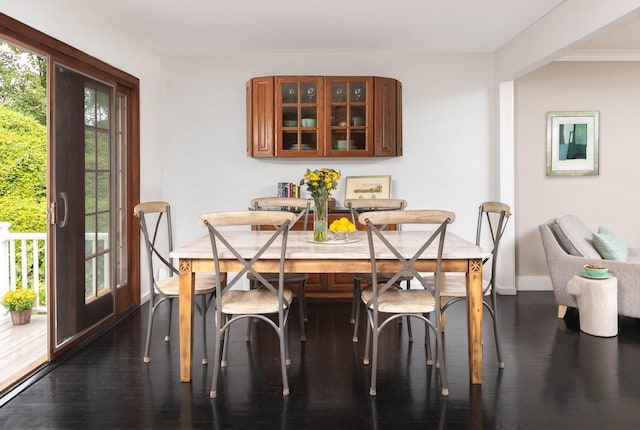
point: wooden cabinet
(316, 116)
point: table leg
(187, 278)
(474, 320)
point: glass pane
(89, 149)
(289, 141)
(121, 190)
(358, 140)
(102, 241)
(290, 92)
(339, 140)
(339, 92)
(103, 109)
(90, 203)
(89, 234)
(103, 201)
(89, 106)
(309, 92)
(102, 272)
(89, 278)
(309, 141)
(358, 116)
(358, 92)
(290, 116)
(103, 150)
(309, 117)
(339, 116)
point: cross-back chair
(302, 207)
(385, 298)
(154, 219)
(356, 207)
(270, 299)
(494, 216)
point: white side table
(597, 303)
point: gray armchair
(563, 265)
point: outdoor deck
(21, 347)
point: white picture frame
(368, 187)
(573, 143)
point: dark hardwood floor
(555, 378)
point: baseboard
(534, 283)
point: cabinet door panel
(388, 127)
(349, 116)
(260, 118)
(298, 116)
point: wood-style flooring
(556, 377)
(22, 347)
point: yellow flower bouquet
(320, 183)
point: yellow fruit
(342, 224)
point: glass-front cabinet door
(300, 122)
(349, 127)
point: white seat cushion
(257, 301)
(454, 285)
(402, 301)
(205, 284)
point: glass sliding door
(84, 215)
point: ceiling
(205, 27)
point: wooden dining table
(305, 256)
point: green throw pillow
(609, 246)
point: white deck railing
(23, 262)
(20, 253)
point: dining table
(303, 255)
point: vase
(20, 317)
(321, 215)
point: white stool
(597, 303)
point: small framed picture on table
(368, 187)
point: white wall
(608, 199)
(448, 118)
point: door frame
(58, 52)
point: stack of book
(288, 189)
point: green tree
(23, 139)
(23, 157)
(23, 82)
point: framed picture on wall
(572, 143)
(368, 187)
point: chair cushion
(205, 284)
(396, 301)
(574, 236)
(455, 285)
(609, 246)
(258, 301)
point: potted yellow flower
(320, 183)
(20, 304)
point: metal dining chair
(154, 219)
(271, 299)
(394, 303)
(302, 207)
(494, 216)
(356, 207)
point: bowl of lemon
(341, 228)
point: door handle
(65, 203)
